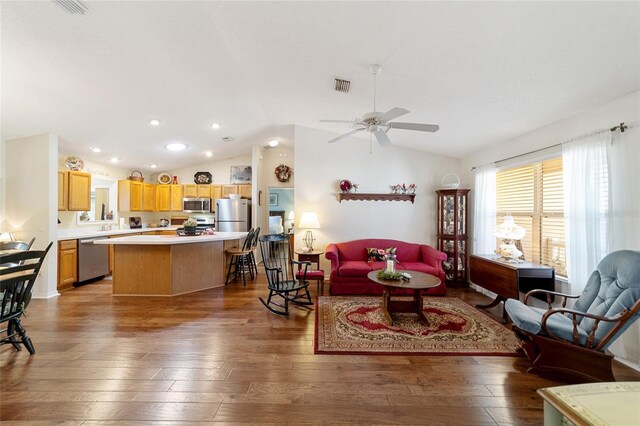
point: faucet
(106, 227)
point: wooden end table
(310, 256)
(418, 282)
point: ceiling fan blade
(415, 126)
(345, 135)
(393, 113)
(337, 121)
(382, 137)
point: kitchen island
(168, 265)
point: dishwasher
(93, 259)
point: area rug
(356, 325)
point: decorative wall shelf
(376, 197)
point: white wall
(320, 167)
(220, 170)
(31, 203)
(624, 109)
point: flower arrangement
(189, 223)
(384, 275)
(412, 188)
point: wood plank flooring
(218, 356)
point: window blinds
(533, 195)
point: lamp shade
(291, 215)
(509, 230)
(309, 220)
(6, 237)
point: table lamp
(509, 231)
(6, 237)
(309, 221)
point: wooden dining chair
(16, 285)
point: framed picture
(240, 174)
(273, 199)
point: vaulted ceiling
(485, 72)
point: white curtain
(586, 201)
(624, 172)
(484, 210)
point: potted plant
(189, 227)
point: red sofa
(349, 266)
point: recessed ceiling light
(215, 126)
(114, 160)
(227, 139)
(274, 142)
(209, 154)
(176, 146)
(96, 150)
(153, 166)
(154, 122)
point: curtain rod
(622, 127)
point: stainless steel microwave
(196, 205)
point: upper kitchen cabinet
(74, 191)
(244, 191)
(176, 198)
(197, 191)
(149, 197)
(216, 192)
(169, 198)
(130, 195)
(63, 189)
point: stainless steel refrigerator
(233, 215)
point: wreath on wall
(283, 173)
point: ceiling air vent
(75, 7)
(341, 85)
(227, 139)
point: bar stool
(240, 259)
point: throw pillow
(378, 255)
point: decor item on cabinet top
(450, 183)
(74, 163)
(509, 231)
(175, 180)
(345, 185)
(202, 178)
(164, 178)
(139, 178)
(283, 173)
(240, 174)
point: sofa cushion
(418, 266)
(354, 268)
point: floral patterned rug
(356, 325)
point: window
(533, 195)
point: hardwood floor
(218, 356)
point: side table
(312, 274)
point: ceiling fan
(379, 123)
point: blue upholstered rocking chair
(573, 341)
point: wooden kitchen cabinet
(229, 189)
(244, 191)
(67, 264)
(204, 191)
(79, 191)
(149, 197)
(163, 198)
(197, 191)
(63, 189)
(176, 198)
(130, 195)
(216, 192)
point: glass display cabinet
(452, 233)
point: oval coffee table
(418, 282)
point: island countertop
(172, 239)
